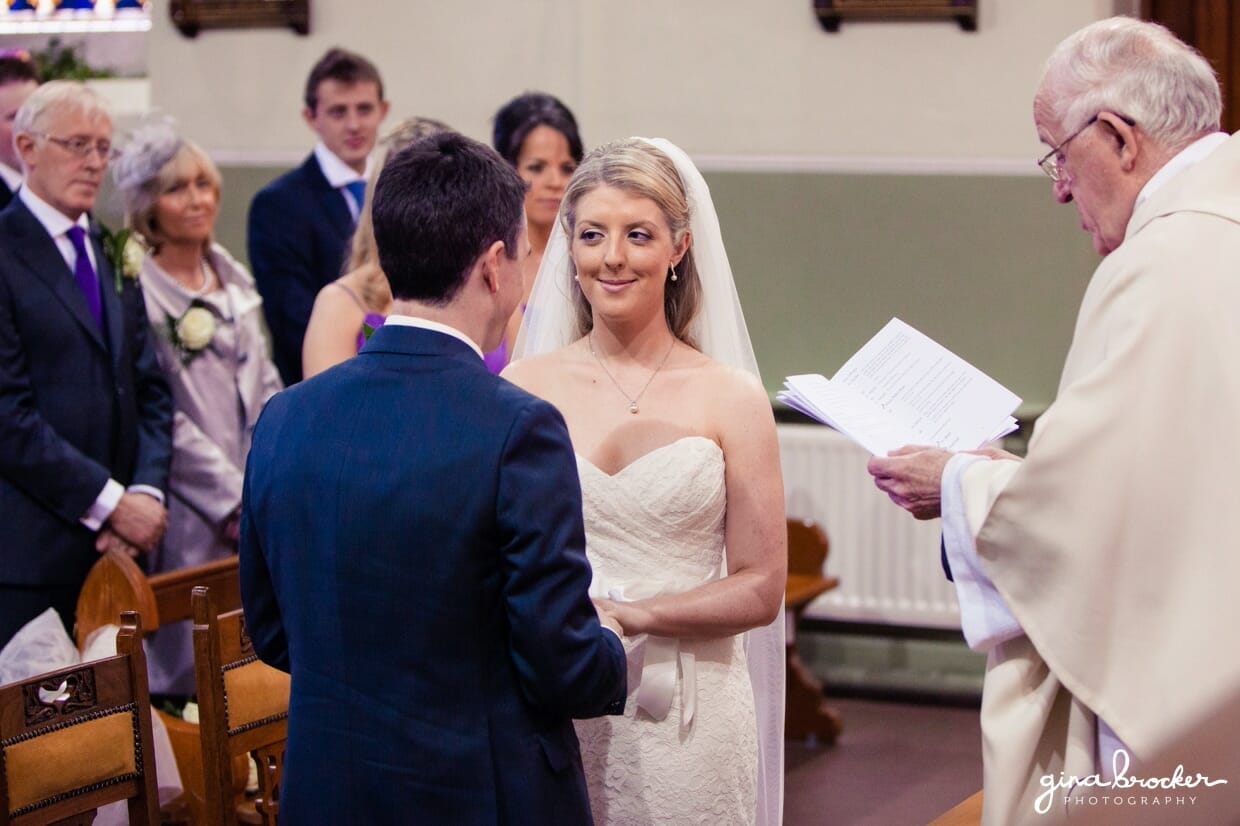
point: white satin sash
(664, 656)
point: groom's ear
(490, 261)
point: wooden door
(1213, 28)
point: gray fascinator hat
(149, 146)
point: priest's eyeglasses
(1052, 162)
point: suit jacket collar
(35, 248)
(417, 341)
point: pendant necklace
(206, 280)
(632, 399)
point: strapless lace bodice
(657, 526)
(667, 506)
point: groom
(412, 547)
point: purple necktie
(85, 273)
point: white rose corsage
(125, 253)
(191, 333)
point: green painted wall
(989, 266)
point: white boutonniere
(191, 333)
(124, 252)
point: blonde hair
(637, 167)
(363, 251)
(187, 160)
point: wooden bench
(807, 713)
(116, 584)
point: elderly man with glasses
(1100, 573)
(85, 415)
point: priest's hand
(912, 478)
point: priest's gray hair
(61, 96)
(1138, 69)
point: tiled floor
(895, 764)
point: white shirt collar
(1188, 156)
(11, 176)
(435, 326)
(337, 172)
(53, 220)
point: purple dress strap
(374, 320)
(497, 358)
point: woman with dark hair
(537, 134)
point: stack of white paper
(903, 388)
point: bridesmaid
(537, 134)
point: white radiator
(888, 563)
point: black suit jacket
(412, 550)
(299, 229)
(6, 194)
(77, 404)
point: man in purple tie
(85, 416)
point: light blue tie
(358, 190)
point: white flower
(195, 329)
(131, 258)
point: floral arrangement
(191, 333)
(124, 252)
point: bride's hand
(631, 616)
(607, 616)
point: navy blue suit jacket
(299, 230)
(75, 407)
(412, 551)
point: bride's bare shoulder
(540, 372)
(732, 385)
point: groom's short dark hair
(438, 204)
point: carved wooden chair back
(76, 738)
(242, 709)
(808, 547)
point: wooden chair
(116, 584)
(807, 713)
(967, 812)
(76, 738)
(242, 709)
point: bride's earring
(672, 271)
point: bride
(634, 331)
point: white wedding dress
(657, 526)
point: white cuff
(104, 504)
(984, 615)
(154, 493)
